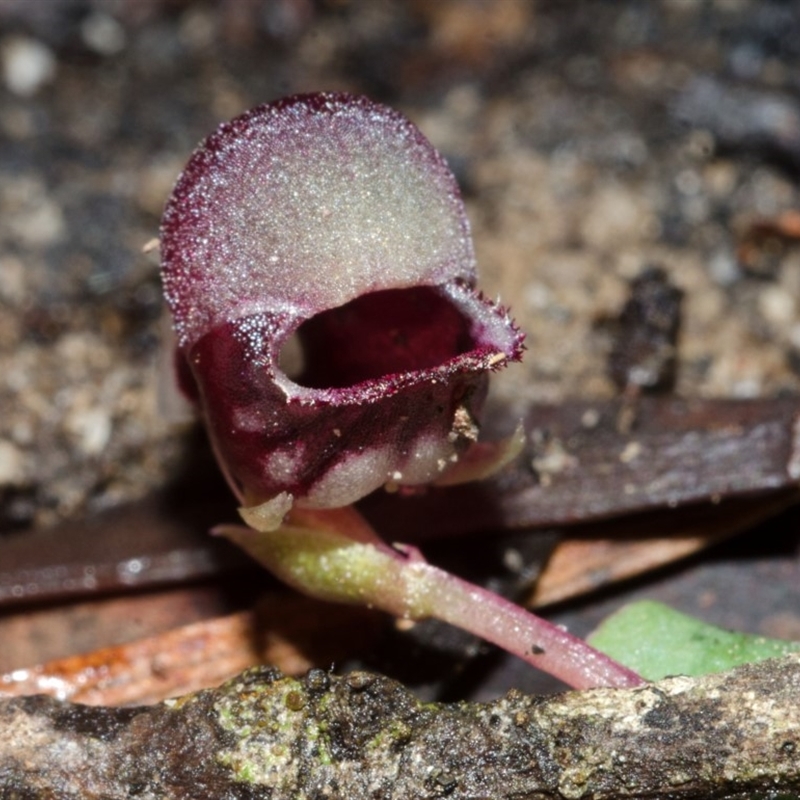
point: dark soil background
(592, 140)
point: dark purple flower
(332, 220)
(328, 218)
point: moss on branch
(361, 736)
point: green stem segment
(331, 565)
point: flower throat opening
(380, 334)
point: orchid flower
(328, 225)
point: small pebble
(12, 465)
(12, 280)
(776, 305)
(27, 65)
(91, 428)
(723, 268)
(103, 34)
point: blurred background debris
(591, 140)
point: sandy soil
(592, 140)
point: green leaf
(655, 641)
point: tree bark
(262, 735)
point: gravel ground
(591, 139)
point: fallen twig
(364, 736)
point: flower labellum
(329, 222)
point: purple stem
(533, 639)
